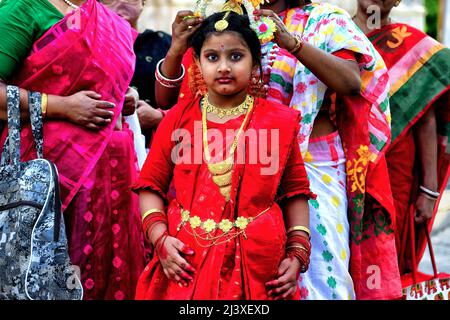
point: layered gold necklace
(222, 171)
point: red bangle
(151, 221)
(299, 246)
(302, 257)
(300, 240)
(166, 82)
(162, 237)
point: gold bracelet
(299, 228)
(44, 102)
(298, 247)
(149, 212)
(298, 45)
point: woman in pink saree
(80, 55)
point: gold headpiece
(222, 24)
(264, 28)
(229, 6)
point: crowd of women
(357, 119)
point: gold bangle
(299, 228)
(44, 102)
(298, 247)
(298, 45)
(149, 212)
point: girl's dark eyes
(236, 56)
(212, 57)
(233, 57)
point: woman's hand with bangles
(285, 283)
(183, 27)
(170, 251)
(424, 208)
(282, 36)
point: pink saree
(91, 49)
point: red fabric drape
(240, 268)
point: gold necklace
(222, 171)
(221, 112)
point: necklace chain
(222, 112)
(222, 171)
(70, 4)
(205, 104)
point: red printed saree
(419, 70)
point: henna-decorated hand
(285, 284)
(170, 251)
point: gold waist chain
(203, 230)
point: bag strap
(430, 248)
(413, 247)
(34, 106)
(11, 148)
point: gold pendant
(226, 192)
(221, 25)
(220, 167)
(221, 175)
(223, 179)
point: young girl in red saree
(339, 83)
(225, 235)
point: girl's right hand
(174, 265)
(183, 27)
(85, 108)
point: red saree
(420, 65)
(236, 269)
(95, 168)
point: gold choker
(222, 112)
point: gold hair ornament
(265, 28)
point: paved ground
(440, 237)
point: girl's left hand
(285, 285)
(282, 36)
